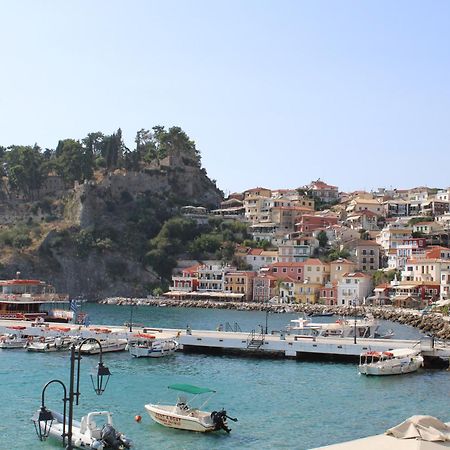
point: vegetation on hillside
(27, 167)
(180, 236)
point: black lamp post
(43, 418)
(267, 318)
(354, 333)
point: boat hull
(180, 421)
(395, 369)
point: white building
(353, 288)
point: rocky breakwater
(434, 324)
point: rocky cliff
(96, 244)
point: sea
(279, 404)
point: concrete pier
(279, 345)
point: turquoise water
(280, 403)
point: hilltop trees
(76, 160)
(23, 165)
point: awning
(190, 389)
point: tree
(73, 161)
(322, 237)
(24, 167)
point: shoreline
(434, 324)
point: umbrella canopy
(415, 433)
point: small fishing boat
(185, 416)
(87, 433)
(49, 344)
(144, 345)
(393, 362)
(108, 345)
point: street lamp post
(43, 418)
(354, 332)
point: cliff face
(96, 247)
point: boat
(49, 344)
(144, 345)
(184, 416)
(321, 314)
(94, 431)
(109, 344)
(384, 335)
(393, 362)
(34, 300)
(365, 328)
(12, 340)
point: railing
(235, 328)
(254, 340)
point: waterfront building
(328, 293)
(264, 288)
(353, 288)
(187, 281)
(211, 277)
(240, 282)
(308, 292)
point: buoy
(137, 418)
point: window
(364, 260)
(284, 270)
(364, 252)
(275, 269)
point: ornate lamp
(102, 378)
(42, 419)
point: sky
(275, 93)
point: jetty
(278, 344)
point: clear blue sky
(274, 93)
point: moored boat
(184, 416)
(49, 344)
(393, 362)
(364, 328)
(12, 340)
(22, 299)
(88, 433)
(147, 346)
(110, 344)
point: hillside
(91, 239)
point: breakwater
(434, 324)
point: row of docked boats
(140, 345)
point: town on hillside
(322, 246)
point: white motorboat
(108, 345)
(49, 344)
(365, 328)
(147, 346)
(393, 362)
(186, 417)
(12, 340)
(95, 431)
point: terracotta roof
(314, 262)
(287, 264)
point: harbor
(312, 390)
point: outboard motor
(113, 440)
(219, 419)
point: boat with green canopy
(185, 416)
